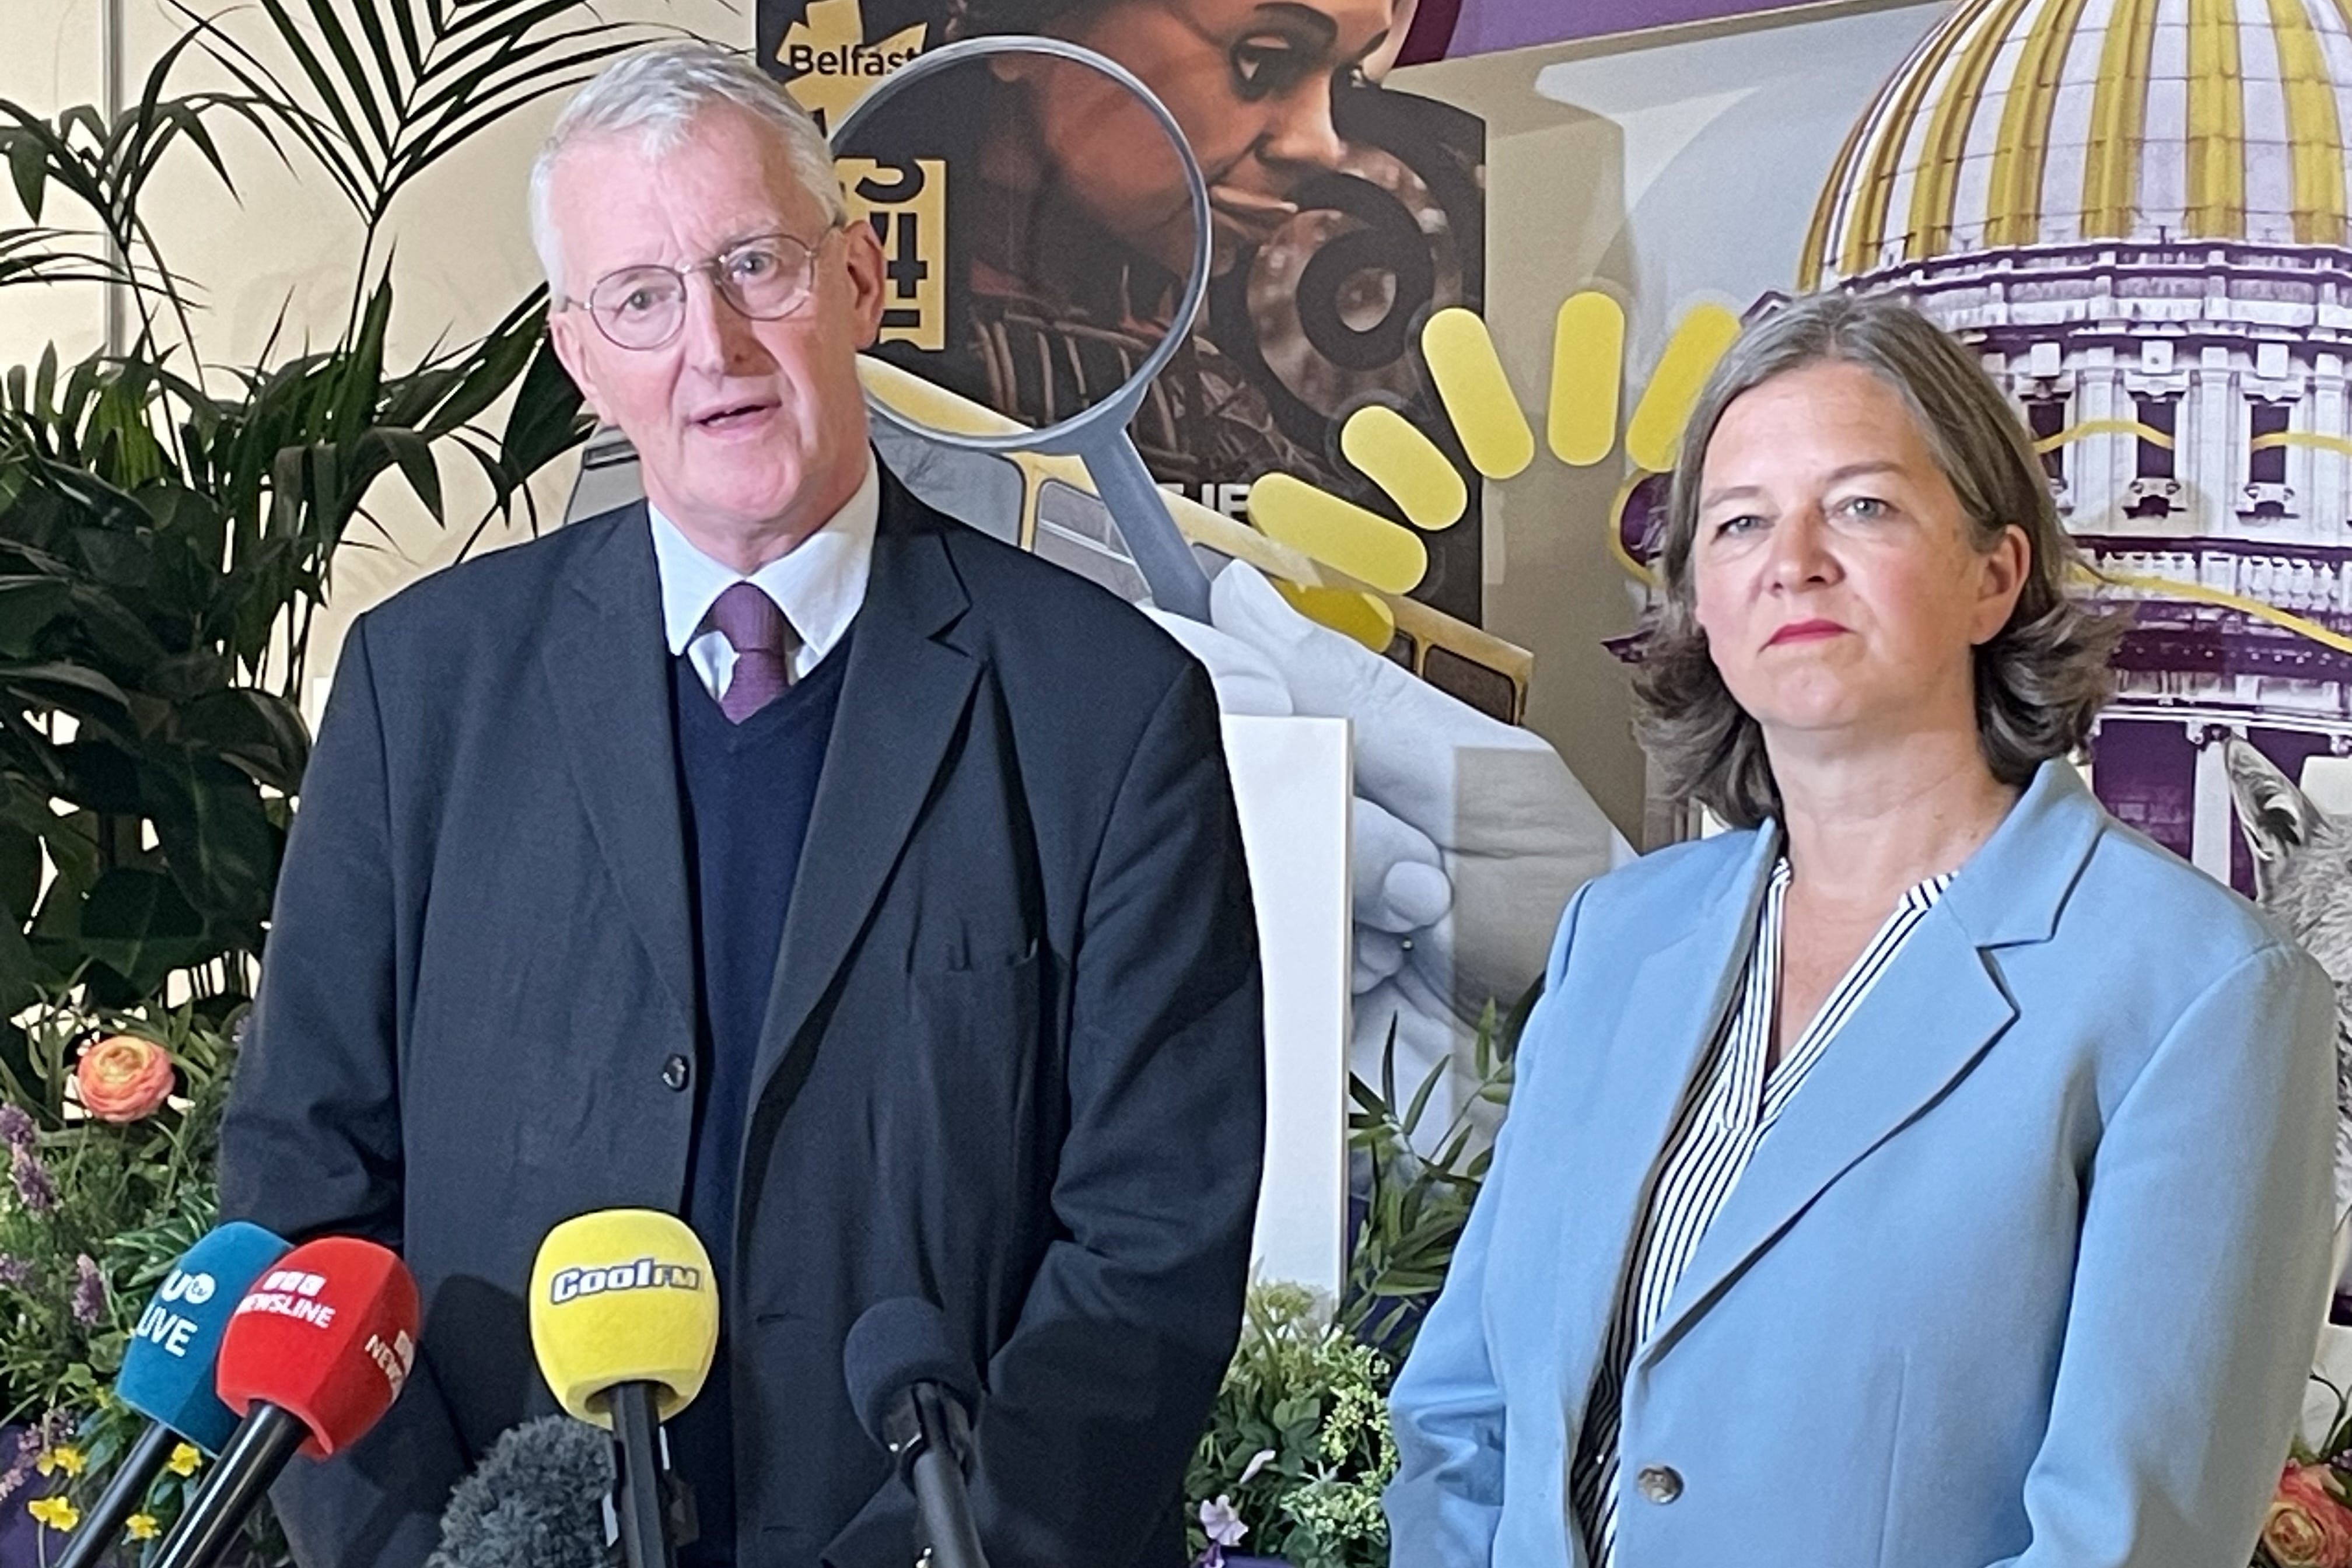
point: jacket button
(678, 1072)
(1658, 1483)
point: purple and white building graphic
(2138, 209)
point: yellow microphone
(624, 1321)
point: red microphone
(313, 1356)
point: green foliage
(167, 523)
(1417, 1203)
(1299, 1445)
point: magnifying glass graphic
(1097, 434)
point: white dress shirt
(818, 585)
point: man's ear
(862, 262)
(564, 331)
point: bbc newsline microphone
(916, 1396)
(167, 1373)
(625, 1322)
(314, 1354)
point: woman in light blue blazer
(1931, 1171)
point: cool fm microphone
(167, 1373)
(313, 1356)
(625, 1320)
(914, 1395)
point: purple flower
(16, 1127)
(35, 1189)
(89, 1293)
(15, 1273)
(31, 1444)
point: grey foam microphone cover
(536, 1500)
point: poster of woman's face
(1342, 215)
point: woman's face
(1833, 569)
(1249, 80)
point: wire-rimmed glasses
(764, 277)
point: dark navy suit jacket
(1012, 1058)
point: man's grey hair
(656, 94)
(2039, 680)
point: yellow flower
(139, 1527)
(54, 1511)
(183, 1460)
(66, 1457)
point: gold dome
(2059, 122)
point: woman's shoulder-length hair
(2039, 681)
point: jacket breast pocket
(973, 1053)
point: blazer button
(678, 1072)
(1658, 1483)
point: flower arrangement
(2309, 1524)
(1301, 1442)
(1299, 1447)
(110, 1124)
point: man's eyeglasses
(764, 277)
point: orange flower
(2307, 1527)
(124, 1078)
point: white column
(2210, 829)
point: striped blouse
(1732, 1104)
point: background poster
(1037, 235)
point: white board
(1292, 782)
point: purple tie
(763, 643)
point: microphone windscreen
(894, 1345)
(167, 1368)
(623, 1296)
(327, 1335)
(536, 1500)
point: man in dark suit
(783, 854)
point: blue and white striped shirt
(1733, 1102)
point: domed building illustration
(2138, 210)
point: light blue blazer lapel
(1674, 1005)
(1934, 1011)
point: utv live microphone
(536, 1500)
(167, 1373)
(914, 1395)
(624, 1321)
(313, 1356)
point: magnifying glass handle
(1178, 584)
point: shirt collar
(818, 585)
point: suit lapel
(1930, 1016)
(1937, 1008)
(1675, 1006)
(604, 658)
(903, 698)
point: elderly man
(784, 855)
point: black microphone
(916, 1396)
(536, 1500)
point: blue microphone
(167, 1372)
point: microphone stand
(264, 1441)
(121, 1499)
(927, 1435)
(640, 1470)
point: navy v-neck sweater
(747, 791)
